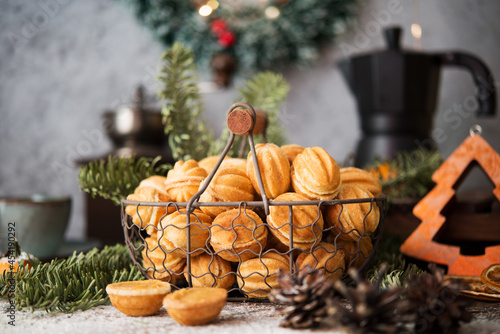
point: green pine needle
(189, 136)
(398, 270)
(116, 178)
(412, 173)
(76, 283)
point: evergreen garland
(295, 36)
(76, 283)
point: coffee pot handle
(486, 94)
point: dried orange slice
(195, 306)
(138, 298)
(491, 277)
(472, 286)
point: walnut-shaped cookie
(195, 306)
(356, 252)
(307, 221)
(273, 243)
(358, 177)
(331, 261)
(138, 298)
(352, 221)
(184, 180)
(238, 235)
(147, 216)
(173, 233)
(274, 169)
(208, 163)
(238, 163)
(160, 264)
(316, 175)
(256, 277)
(155, 181)
(228, 185)
(291, 151)
(210, 271)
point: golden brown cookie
(238, 235)
(184, 180)
(352, 216)
(237, 163)
(274, 169)
(356, 252)
(195, 306)
(147, 216)
(138, 298)
(228, 185)
(307, 222)
(173, 233)
(292, 151)
(160, 264)
(276, 244)
(257, 276)
(316, 175)
(208, 163)
(218, 276)
(331, 261)
(156, 181)
(362, 178)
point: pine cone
(437, 304)
(373, 310)
(307, 295)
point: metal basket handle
(241, 122)
(242, 119)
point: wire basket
(249, 270)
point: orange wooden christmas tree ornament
(448, 176)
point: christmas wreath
(261, 34)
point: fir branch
(266, 91)
(118, 177)
(188, 134)
(76, 283)
(409, 175)
(398, 271)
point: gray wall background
(62, 62)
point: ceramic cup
(38, 222)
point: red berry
(218, 26)
(227, 39)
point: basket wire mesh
(153, 259)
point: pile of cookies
(240, 244)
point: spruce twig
(116, 178)
(189, 136)
(409, 175)
(398, 270)
(76, 283)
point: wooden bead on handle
(240, 122)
